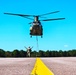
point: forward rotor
(29, 16)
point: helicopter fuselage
(36, 28)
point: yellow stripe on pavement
(40, 68)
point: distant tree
(47, 53)
(74, 52)
(65, 54)
(52, 53)
(16, 53)
(33, 53)
(60, 53)
(41, 53)
(2, 53)
(23, 53)
(55, 53)
(8, 54)
(70, 53)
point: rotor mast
(36, 18)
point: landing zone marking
(41, 69)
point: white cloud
(65, 45)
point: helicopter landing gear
(41, 36)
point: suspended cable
(37, 44)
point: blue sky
(57, 35)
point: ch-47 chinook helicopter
(36, 28)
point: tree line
(40, 53)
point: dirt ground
(24, 66)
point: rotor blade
(29, 18)
(43, 17)
(16, 14)
(49, 13)
(25, 16)
(30, 23)
(53, 19)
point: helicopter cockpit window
(36, 23)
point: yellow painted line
(40, 68)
